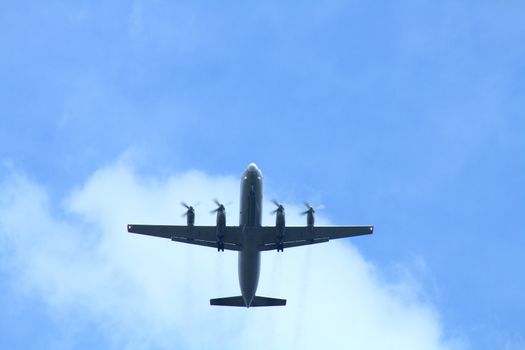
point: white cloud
(149, 292)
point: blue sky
(409, 116)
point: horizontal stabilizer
(229, 301)
(264, 301)
(239, 301)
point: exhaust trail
(303, 296)
(188, 285)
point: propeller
(189, 207)
(279, 206)
(220, 206)
(310, 209)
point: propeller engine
(189, 214)
(221, 224)
(280, 224)
(309, 212)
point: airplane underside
(250, 238)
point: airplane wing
(198, 235)
(295, 236)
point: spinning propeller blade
(220, 206)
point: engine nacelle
(190, 217)
(310, 220)
(221, 226)
(280, 224)
(221, 218)
(189, 214)
(310, 217)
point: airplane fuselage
(250, 218)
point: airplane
(250, 238)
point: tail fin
(239, 301)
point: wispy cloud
(148, 292)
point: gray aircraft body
(250, 238)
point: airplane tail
(265, 301)
(239, 301)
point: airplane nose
(252, 167)
(252, 170)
